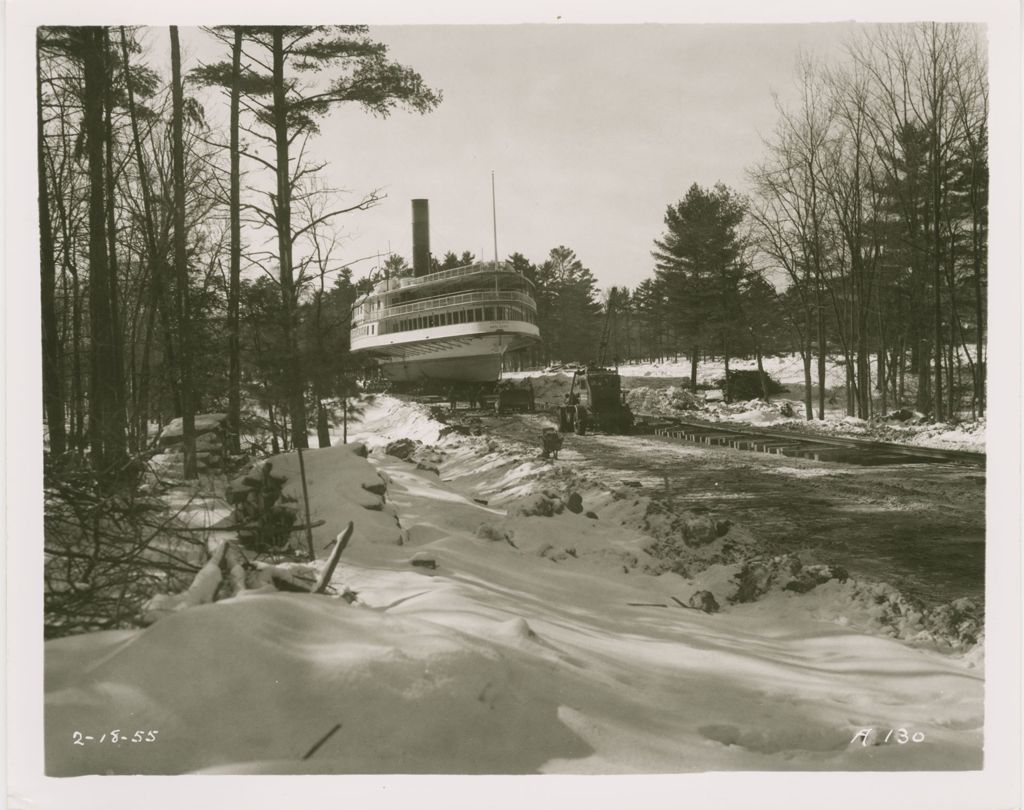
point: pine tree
(697, 260)
(345, 66)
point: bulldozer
(595, 400)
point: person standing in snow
(550, 442)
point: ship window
(489, 314)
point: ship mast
(494, 220)
(497, 303)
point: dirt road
(920, 527)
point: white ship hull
(468, 352)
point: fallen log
(235, 562)
(200, 592)
(332, 562)
(682, 604)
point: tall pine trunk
(821, 357)
(725, 352)
(188, 426)
(111, 210)
(937, 307)
(106, 431)
(863, 359)
(323, 427)
(977, 241)
(79, 440)
(760, 371)
(808, 382)
(53, 396)
(293, 374)
(234, 349)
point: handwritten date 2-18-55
(115, 736)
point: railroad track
(796, 444)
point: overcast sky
(591, 131)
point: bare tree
(181, 265)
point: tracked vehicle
(595, 401)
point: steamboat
(453, 325)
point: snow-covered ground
(787, 369)
(649, 392)
(497, 631)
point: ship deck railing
(456, 272)
(459, 299)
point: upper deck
(473, 300)
(483, 291)
(398, 290)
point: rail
(454, 301)
(671, 425)
(458, 272)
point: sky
(591, 132)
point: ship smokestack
(420, 238)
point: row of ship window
(497, 313)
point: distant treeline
(863, 238)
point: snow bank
(787, 369)
(387, 418)
(204, 422)
(278, 672)
(540, 644)
(968, 436)
(342, 486)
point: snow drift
(516, 630)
